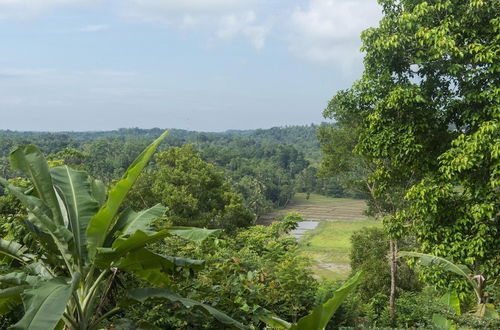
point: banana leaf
(101, 224)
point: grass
(329, 245)
(320, 208)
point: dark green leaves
(141, 295)
(45, 304)
(14, 250)
(321, 315)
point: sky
(205, 65)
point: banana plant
(320, 316)
(84, 239)
(476, 281)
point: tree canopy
(425, 118)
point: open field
(318, 208)
(328, 245)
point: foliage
(85, 242)
(320, 316)
(425, 118)
(262, 165)
(258, 268)
(477, 282)
(369, 253)
(195, 192)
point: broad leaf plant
(84, 237)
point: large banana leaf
(143, 294)
(15, 251)
(123, 245)
(155, 268)
(45, 304)
(10, 298)
(130, 221)
(32, 163)
(75, 189)
(430, 260)
(100, 225)
(99, 191)
(18, 278)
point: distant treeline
(267, 166)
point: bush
(257, 267)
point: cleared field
(318, 208)
(329, 246)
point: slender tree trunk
(394, 267)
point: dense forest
(265, 166)
(153, 229)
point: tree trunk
(392, 298)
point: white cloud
(174, 7)
(230, 26)
(94, 28)
(217, 19)
(222, 19)
(329, 30)
(23, 9)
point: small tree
(195, 192)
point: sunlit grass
(329, 246)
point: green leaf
(442, 322)
(319, 317)
(45, 304)
(100, 225)
(74, 187)
(193, 234)
(122, 245)
(274, 321)
(452, 302)
(10, 298)
(14, 250)
(18, 278)
(143, 294)
(155, 268)
(32, 163)
(99, 191)
(130, 221)
(430, 260)
(447, 265)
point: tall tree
(427, 116)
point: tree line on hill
(265, 166)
